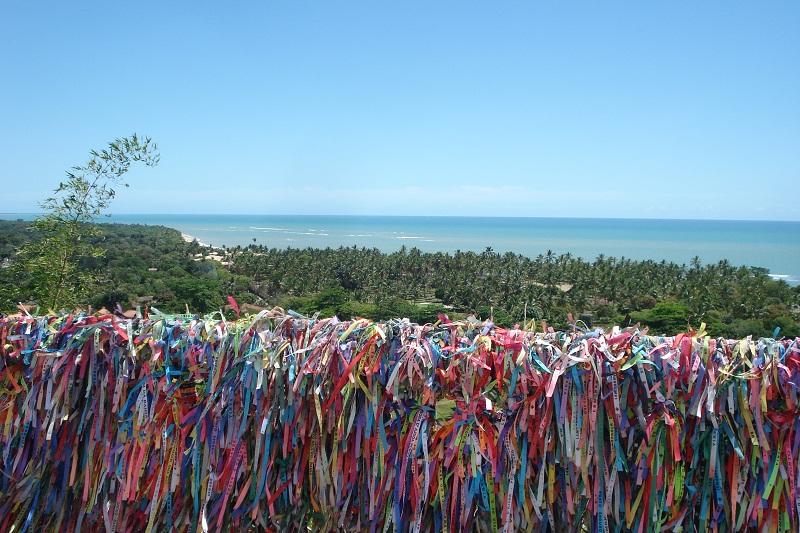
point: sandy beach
(189, 238)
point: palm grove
(65, 259)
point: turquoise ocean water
(773, 245)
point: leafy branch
(51, 265)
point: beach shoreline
(190, 239)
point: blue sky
(664, 110)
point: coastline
(190, 238)
(771, 245)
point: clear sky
(639, 109)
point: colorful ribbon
(279, 421)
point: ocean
(772, 245)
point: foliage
(152, 265)
(667, 296)
(338, 301)
(48, 267)
(196, 292)
(139, 265)
(666, 316)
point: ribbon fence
(279, 422)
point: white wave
(788, 278)
(267, 228)
(287, 232)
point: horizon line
(428, 216)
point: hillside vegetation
(141, 265)
(153, 266)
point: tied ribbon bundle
(280, 421)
